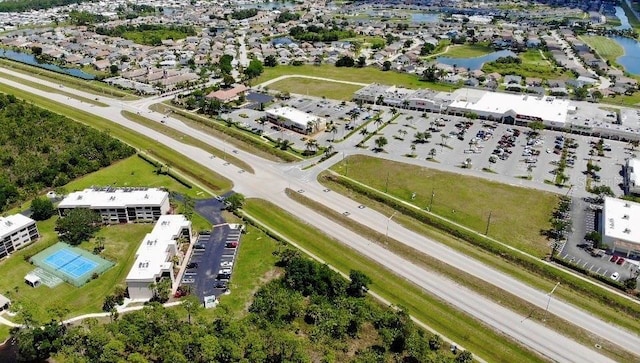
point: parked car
(199, 246)
(228, 264)
(233, 244)
(192, 265)
(620, 261)
(615, 276)
(613, 258)
(220, 284)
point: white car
(615, 276)
(225, 271)
(226, 264)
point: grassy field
(313, 87)
(95, 87)
(51, 90)
(533, 65)
(467, 51)
(607, 48)
(146, 36)
(517, 214)
(436, 313)
(206, 177)
(362, 75)
(175, 134)
(4, 332)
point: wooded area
(311, 313)
(27, 5)
(40, 149)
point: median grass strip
(242, 139)
(95, 87)
(175, 134)
(50, 89)
(517, 214)
(574, 289)
(467, 331)
(480, 286)
(204, 176)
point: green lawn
(4, 332)
(147, 37)
(607, 48)
(313, 87)
(204, 176)
(517, 214)
(467, 51)
(361, 75)
(438, 314)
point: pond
(31, 60)
(624, 21)
(631, 58)
(477, 62)
(424, 18)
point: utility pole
(386, 185)
(486, 232)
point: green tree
(113, 69)
(254, 69)
(42, 209)
(464, 357)
(381, 142)
(78, 225)
(234, 201)
(192, 306)
(270, 61)
(359, 283)
(228, 80)
(386, 65)
(188, 206)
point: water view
(631, 58)
(624, 21)
(424, 18)
(31, 60)
(477, 62)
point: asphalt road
(270, 180)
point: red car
(614, 258)
(620, 261)
(233, 244)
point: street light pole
(486, 232)
(386, 235)
(549, 300)
(433, 194)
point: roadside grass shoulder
(95, 87)
(362, 75)
(175, 134)
(456, 325)
(206, 177)
(317, 88)
(49, 89)
(517, 214)
(579, 292)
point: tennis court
(71, 264)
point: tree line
(40, 149)
(8, 6)
(311, 313)
(313, 33)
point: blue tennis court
(70, 263)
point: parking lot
(210, 265)
(505, 149)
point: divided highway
(270, 180)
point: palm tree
(378, 121)
(380, 100)
(381, 142)
(413, 149)
(334, 131)
(444, 139)
(405, 104)
(311, 145)
(328, 150)
(432, 153)
(364, 131)
(467, 163)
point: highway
(270, 180)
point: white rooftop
(151, 257)
(13, 223)
(622, 220)
(545, 107)
(294, 115)
(114, 197)
(633, 171)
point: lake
(31, 60)
(631, 58)
(424, 18)
(477, 62)
(624, 21)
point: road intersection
(271, 179)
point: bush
(42, 209)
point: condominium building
(119, 205)
(16, 231)
(154, 258)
